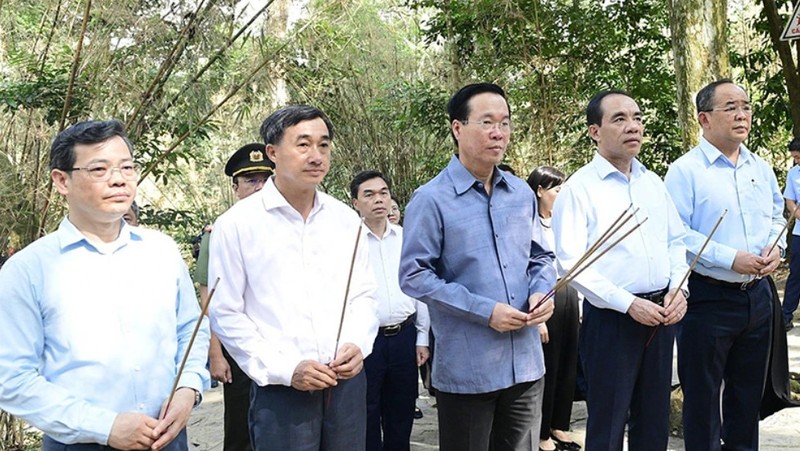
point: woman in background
(560, 333)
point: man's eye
(487, 123)
(98, 170)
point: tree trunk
(700, 48)
(788, 62)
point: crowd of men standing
(321, 314)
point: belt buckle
(391, 331)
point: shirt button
(137, 369)
(505, 265)
(141, 406)
(513, 296)
(496, 235)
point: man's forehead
(730, 93)
(619, 104)
(487, 103)
(309, 128)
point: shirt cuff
(422, 339)
(99, 424)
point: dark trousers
(391, 372)
(502, 419)
(627, 381)
(791, 295)
(561, 363)
(236, 396)
(335, 419)
(48, 444)
(725, 336)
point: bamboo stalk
(67, 101)
(147, 170)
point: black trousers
(627, 381)
(391, 372)
(48, 444)
(501, 420)
(335, 419)
(561, 362)
(236, 397)
(725, 336)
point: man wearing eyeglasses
(249, 169)
(467, 253)
(725, 336)
(91, 330)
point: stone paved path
(778, 432)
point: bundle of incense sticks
(589, 257)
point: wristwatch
(782, 251)
(197, 398)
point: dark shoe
(417, 413)
(789, 326)
(566, 446)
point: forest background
(193, 80)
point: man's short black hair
(594, 110)
(275, 125)
(458, 106)
(704, 101)
(362, 177)
(62, 151)
(794, 145)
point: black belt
(394, 329)
(740, 286)
(656, 297)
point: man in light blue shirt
(96, 317)
(792, 195)
(468, 254)
(632, 289)
(725, 336)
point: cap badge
(256, 156)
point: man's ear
(61, 180)
(455, 127)
(270, 151)
(594, 132)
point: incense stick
(347, 289)
(691, 267)
(203, 312)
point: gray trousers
(283, 418)
(501, 420)
(48, 444)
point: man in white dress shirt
(402, 341)
(283, 256)
(631, 289)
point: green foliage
(360, 63)
(551, 56)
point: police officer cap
(250, 158)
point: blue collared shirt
(703, 183)
(90, 331)
(649, 259)
(463, 252)
(792, 192)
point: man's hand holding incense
(173, 418)
(505, 318)
(312, 375)
(645, 312)
(674, 307)
(349, 361)
(132, 431)
(541, 313)
(771, 259)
